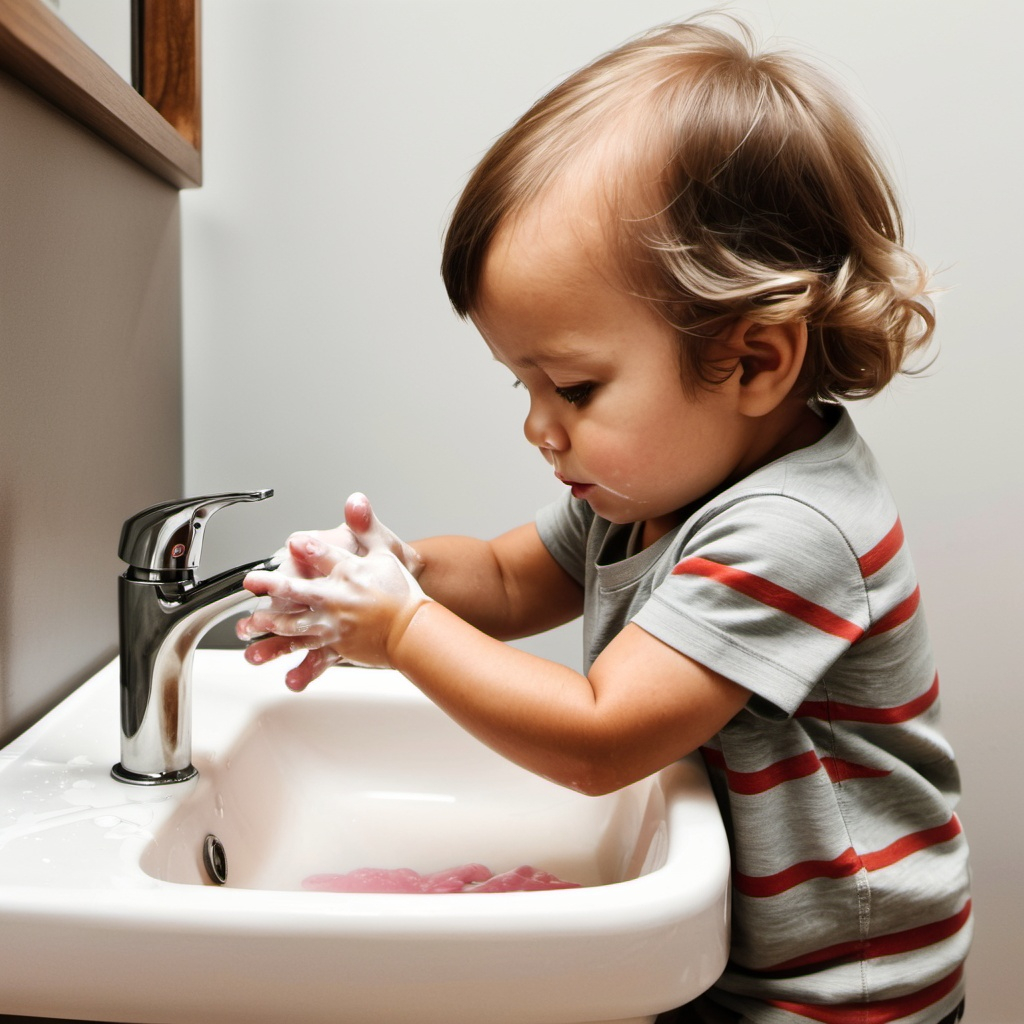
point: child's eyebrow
(542, 360)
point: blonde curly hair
(739, 185)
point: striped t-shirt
(850, 899)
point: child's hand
(363, 531)
(289, 565)
(355, 609)
(360, 531)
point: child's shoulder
(830, 493)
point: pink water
(465, 878)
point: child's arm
(642, 706)
(508, 587)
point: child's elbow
(601, 777)
(598, 787)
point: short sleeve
(766, 591)
(563, 527)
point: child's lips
(578, 489)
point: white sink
(107, 913)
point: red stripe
(800, 766)
(846, 864)
(881, 554)
(834, 711)
(747, 783)
(909, 844)
(771, 594)
(878, 1012)
(840, 770)
(906, 941)
(762, 886)
(903, 611)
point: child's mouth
(578, 489)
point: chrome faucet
(164, 611)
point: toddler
(687, 256)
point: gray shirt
(850, 878)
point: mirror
(105, 28)
(159, 123)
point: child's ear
(769, 360)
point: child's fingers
(371, 534)
(289, 565)
(315, 553)
(247, 629)
(333, 566)
(302, 592)
(359, 516)
(314, 664)
(341, 537)
(364, 524)
(260, 582)
(261, 651)
(244, 629)
(304, 623)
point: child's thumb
(359, 516)
(372, 535)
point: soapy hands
(346, 594)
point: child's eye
(577, 394)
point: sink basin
(108, 913)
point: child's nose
(543, 429)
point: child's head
(735, 185)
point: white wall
(321, 355)
(90, 390)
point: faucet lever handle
(169, 537)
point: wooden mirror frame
(160, 125)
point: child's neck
(798, 426)
(795, 426)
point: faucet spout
(163, 614)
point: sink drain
(215, 860)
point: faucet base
(123, 774)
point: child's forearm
(462, 574)
(538, 713)
(508, 587)
(642, 705)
